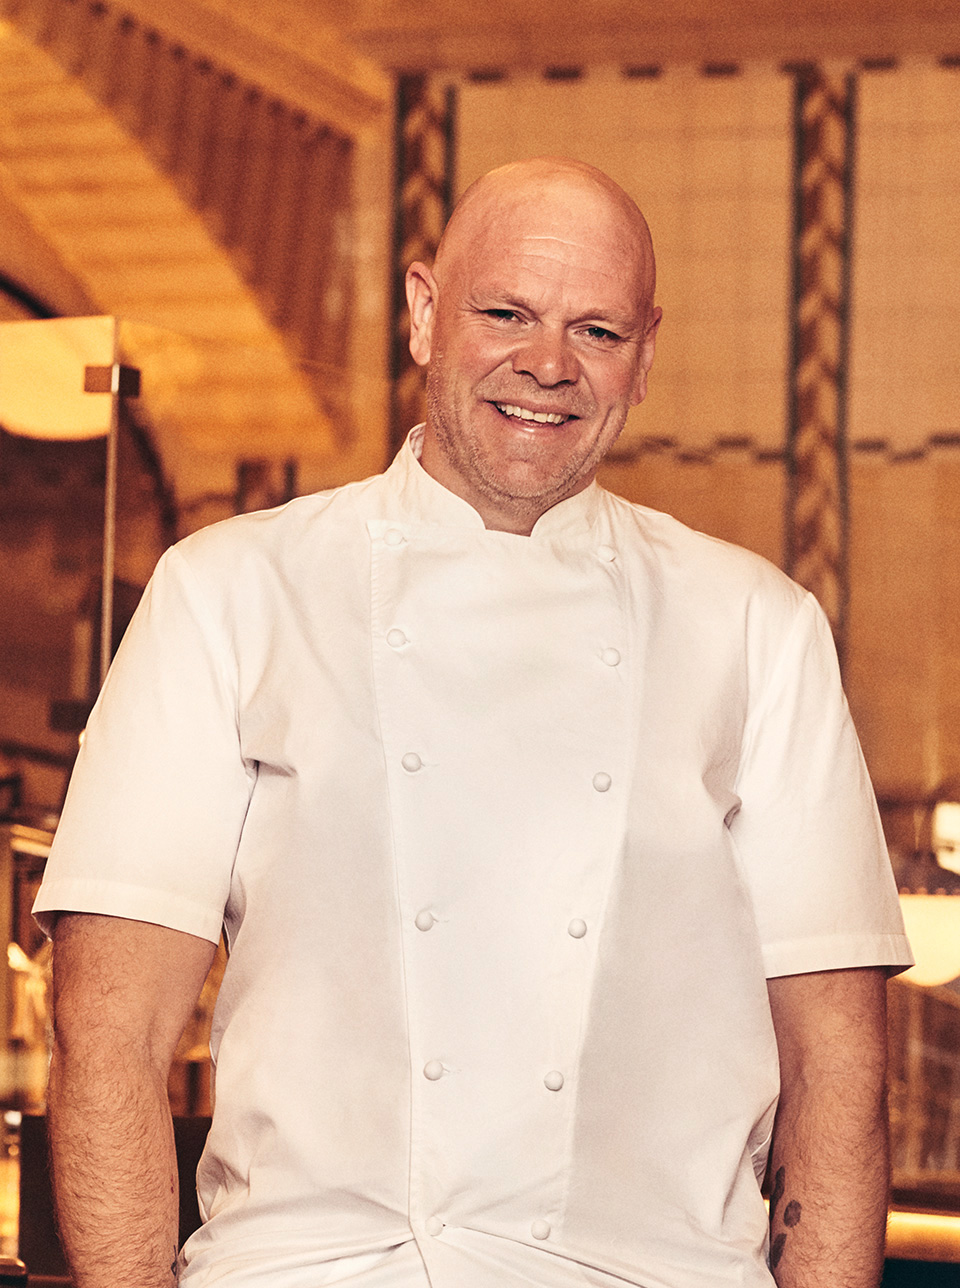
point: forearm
(122, 992)
(115, 1170)
(829, 1162)
(828, 1202)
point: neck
(499, 514)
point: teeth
(541, 417)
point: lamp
(946, 834)
(929, 883)
(933, 928)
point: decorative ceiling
(518, 34)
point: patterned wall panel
(424, 160)
(817, 507)
(903, 632)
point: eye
(601, 333)
(501, 315)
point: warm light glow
(926, 1236)
(946, 834)
(41, 377)
(9, 1186)
(933, 928)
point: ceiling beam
(657, 39)
(304, 65)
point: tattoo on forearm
(777, 1192)
(791, 1216)
(776, 1250)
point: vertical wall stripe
(817, 504)
(422, 196)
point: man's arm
(123, 991)
(829, 1163)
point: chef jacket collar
(425, 500)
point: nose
(548, 357)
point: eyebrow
(506, 300)
(503, 297)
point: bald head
(556, 192)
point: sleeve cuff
(837, 952)
(115, 899)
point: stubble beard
(492, 478)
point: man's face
(539, 336)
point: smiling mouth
(531, 417)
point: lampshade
(42, 367)
(945, 827)
(933, 928)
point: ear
(648, 347)
(422, 295)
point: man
(536, 824)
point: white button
(609, 656)
(554, 1080)
(412, 762)
(397, 639)
(606, 553)
(601, 782)
(394, 537)
(540, 1229)
(424, 920)
(433, 1225)
(577, 928)
(433, 1070)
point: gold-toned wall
(903, 656)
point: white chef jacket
(506, 834)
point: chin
(526, 485)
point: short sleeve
(807, 832)
(159, 794)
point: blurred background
(227, 194)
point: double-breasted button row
(425, 920)
(413, 763)
(396, 638)
(553, 1080)
(434, 1070)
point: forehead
(588, 259)
(547, 270)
